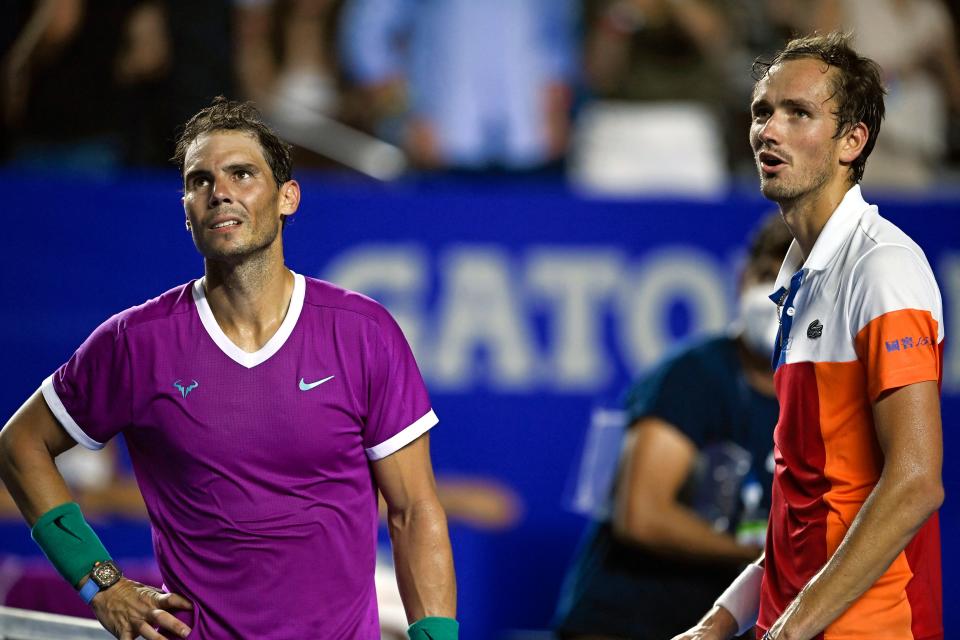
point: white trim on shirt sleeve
(68, 423)
(405, 437)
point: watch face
(105, 574)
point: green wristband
(434, 629)
(69, 542)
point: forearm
(886, 523)
(678, 530)
(34, 484)
(27, 464)
(306, 36)
(33, 32)
(424, 560)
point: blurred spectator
(60, 85)
(201, 64)
(659, 72)
(762, 26)
(302, 82)
(89, 86)
(759, 28)
(464, 84)
(915, 43)
(691, 494)
(657, 50)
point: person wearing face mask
(690, 500)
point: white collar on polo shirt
(832, 237)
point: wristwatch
(103, 576)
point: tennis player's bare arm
(28, 445)
(657, 460)
(418, 530)
(910, 489)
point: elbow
(638, 525)
(21, 451)
(931, 494)
(423, 515)
(6, 454)
(925, 493)
(11, 458)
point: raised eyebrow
(241, 166)
(196, 173)
(789, 103)
(802, 104)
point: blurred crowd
(619, 94)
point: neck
(806, 215)
(249, 298)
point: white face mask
(757, 320)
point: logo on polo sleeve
(908, 342)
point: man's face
(232, 204)
(793, 129)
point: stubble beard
(236, 253)
(780, 190)
(776, 189)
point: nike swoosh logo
(60, 525)
(306, 386)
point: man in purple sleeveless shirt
(263, 410)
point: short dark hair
(231, 115)
(857, 85)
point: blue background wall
(527, 307)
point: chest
(814, 322)
(300, 412)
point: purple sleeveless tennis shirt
(254, 466)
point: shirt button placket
(786, 316)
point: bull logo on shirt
(185, 390)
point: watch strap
(88, 590)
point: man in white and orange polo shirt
(853, 546)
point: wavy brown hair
(231, 115)
(857, 85)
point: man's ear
(853, 141)
(289, 197)
(186, 216)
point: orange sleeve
(899, 348)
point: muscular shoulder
(876, 231)
(323, 294)
(168, 305)
(887, 272)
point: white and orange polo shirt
(860, 316)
